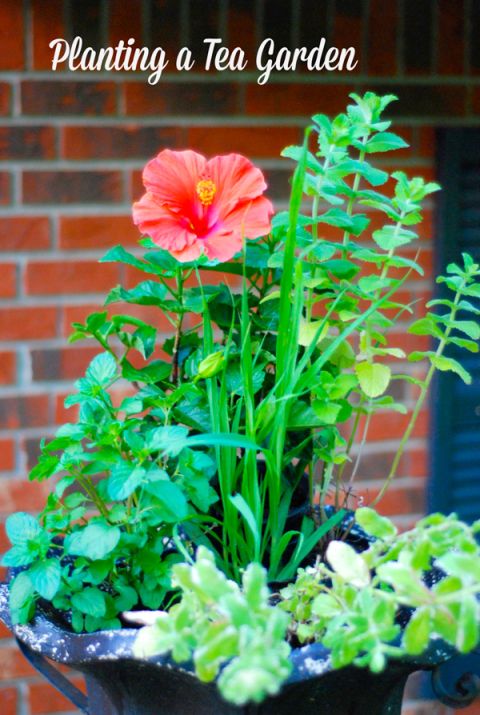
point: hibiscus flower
(193, 205)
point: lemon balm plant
(224, 470)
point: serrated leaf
(102, 369)
(446, 364)
(168, 440)
(124, 479)
(90, 601)
(20, 592)
(374, 378)
(469, 327)
(391, 237)
(21, 528)
(45, 577)
(95, 541)
(171, 498)
(385, 141)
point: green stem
(351, 202)
(96, 499)
(178, 328)
(423, 393)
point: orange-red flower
(193, 205)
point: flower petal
(222, 246)
(173, 176)
(166, 228)
(250, 219)
(236, 179)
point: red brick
(427, 143)
(254, 142)
(397, 500)
(296, 99)
(382, 38)
(64, 414)
(11, 36)
(5, 98)
(66, 187)
(47, 24)
(60, 278)
(8, 282)
(4, 635)
(25, 233)
(418, 463)
(433, 101)
(476, 100)
(408, 342)
(14, 665)
(242, 29)
(46, 700)
(22, 495)
(391, 425)
(127, 142)
(148, 313)
(33, 142)
(27, 323)
(76, 314)
(87, 232)
(429, 707)
(125, 21)
(5, 188)
(23, 411)
(8, 367)
(8, 700)
(7, 455)
(63, 364)
(450, 47)
(347, 28)
(67, 98)
(185, 98)
(137, 188)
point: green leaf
(145, 293)
(417, 633)
(102, 369)
(21, 598)
(375, 524)
(391, 237)
(348, 564)
(21, 528)
(374, 378)
(45, 577)
(118, 254)
(169, 440)
(156, 371)
(469, 327)
(171, 498)
(446, 364)
(125, 478)
(94, 541)
(90, 601)
(384, 141)
(19, 556)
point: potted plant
(215, 503)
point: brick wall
(71, 151)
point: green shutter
(455, 407)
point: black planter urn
(120, 684)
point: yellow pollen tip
(206, 191)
